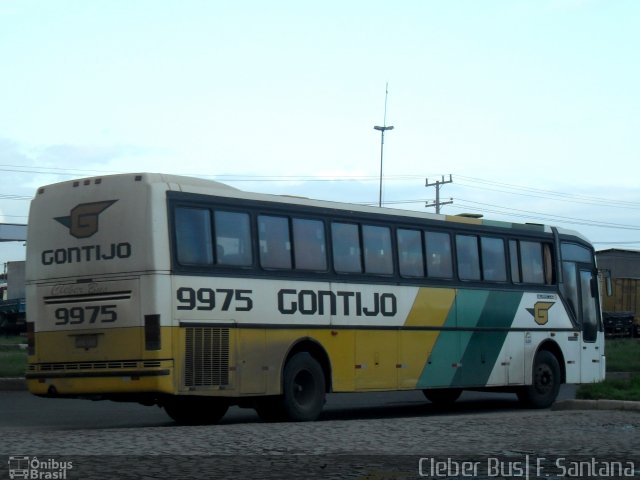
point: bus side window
(514, 258)
(410, 257)
(468, 257)
(345, 240)
(310, 252)
(378, 259)
(194, 243)
(570, 287)
(549, 276)
(275, 243)
(233, 239)
(438, 254)
(494, 267)
(531, 259)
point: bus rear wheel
(188, 410)
(442, 396)
(545, 382)
(303, 392)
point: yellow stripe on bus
(431, 307)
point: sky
(532, 106)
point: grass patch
(13, 363)
(12, 339)
(13, 359)
(612, 390)
(623, 355)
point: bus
(195, 296)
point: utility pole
(437, 184)
(383, 129)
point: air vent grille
(206, 357)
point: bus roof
(211, 187)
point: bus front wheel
(545, 382)
(303, 388)
(191, 410)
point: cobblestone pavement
(494, 433)
(393, 444)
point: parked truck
(12, 303)
(621, 310)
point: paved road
(22, 410)
(378, 436)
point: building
(621, 310)
(621, 263)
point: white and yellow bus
(195, 296)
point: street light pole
(383, 129)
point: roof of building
(618, 250)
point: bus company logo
(540, 312)
(82, 221)
(34, 468)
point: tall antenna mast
(383, 129)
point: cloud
(28, 167)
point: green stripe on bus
(476, 351)
(483, 348)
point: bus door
(580, 289)
(592, 350)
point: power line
(544, 193)
(224, 177)
(462, 179)
(14, 197)
(542, 216)
(510, 189)
(51, 170)
(467, 181)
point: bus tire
(303, 388)
(442, 396)
(545, 382)
(188, 410)
(270, 409)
